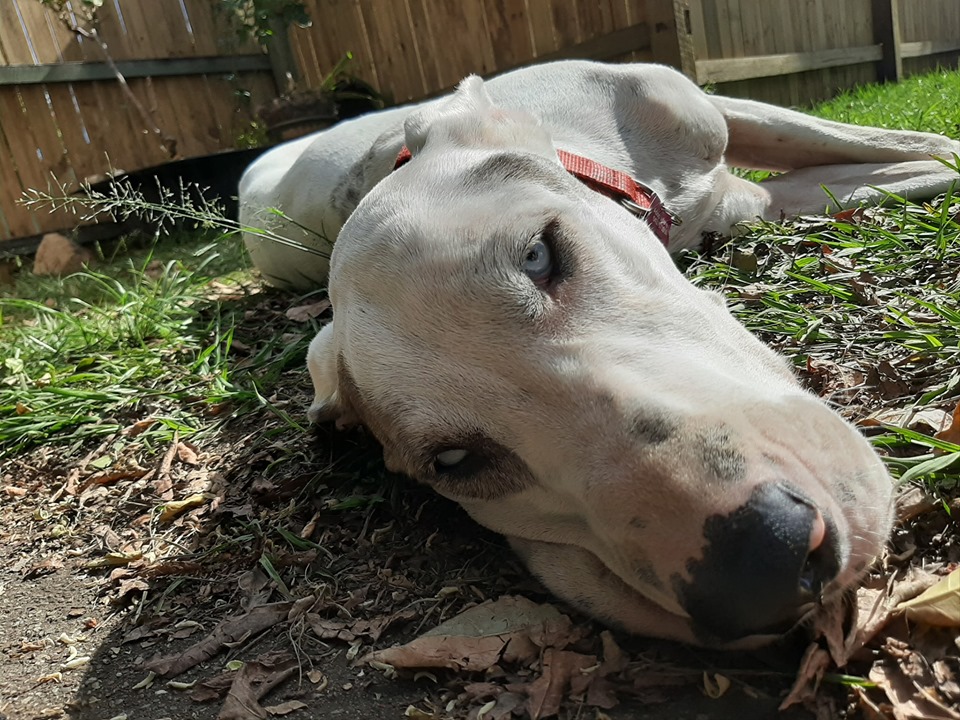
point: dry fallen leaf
(814, 664)
(715, 686)
(477, 638)
(562, 669)
(285, 708)
(175, 507)
(187, 453)
(231, 630)
(139, 427)
(828, 379)
(252, 682)
(906, 692)
(350, 630)
(303, 313)
(952, 433)
(929, 420)
(938, 605)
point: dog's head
(526, 346)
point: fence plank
(454, 60)
(76, 72)
(928, 47)
(730, 69)
(509, 30)
(15, 44)
(43, 42)
(17, 220)
(542, 27)
(393, 45)
(71, 128)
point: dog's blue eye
(537, 261)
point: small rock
(58, 255)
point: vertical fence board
(510, 37)
(541, 24)
(393, 44)
(453, 60)
(15, 44)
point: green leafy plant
(261, 19)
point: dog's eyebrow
(514, 166)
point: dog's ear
(469, 118)
(328, 404)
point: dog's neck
(636, 197)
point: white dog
(508, 323)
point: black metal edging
(84, 71)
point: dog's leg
(766, 137)
(855, 164)
(829, 188)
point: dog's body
(525, 345)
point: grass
(875, 292)
(141, 338)
(929, 103)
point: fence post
(671, 40)
(286, 72)
(886, 31)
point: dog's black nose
(760, 564)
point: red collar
(615, 184)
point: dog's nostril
(822, 563)
(761, 563)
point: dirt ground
(107, 572)
(412, 552)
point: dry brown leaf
(614, 659)
(506, 703)
(252, 682)
(888, 380)
(176, 507)
(928, 420)
(187, 453)
(139, 427)
(952, 433)
(914, 501)
(350, 630)
(938, 605)
(828, 378)
(285, 708)
(715, 686)
(476, 639)
(907, 692)
(562, 669)
(873, 613)
(213, 688)
(303, 313)
(231, 630)
(814, 664)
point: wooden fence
(63, 115)
(793, 52)
(412, 49)
(790, 52)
